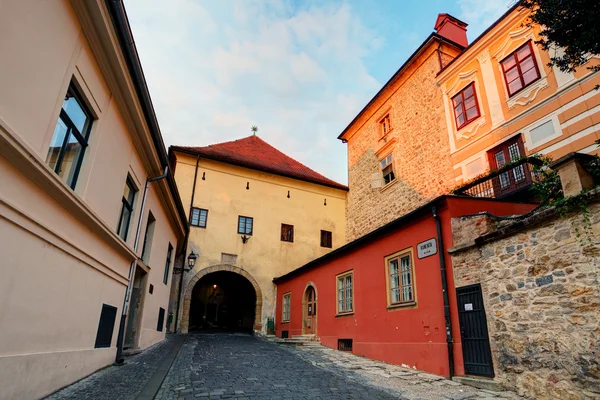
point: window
(517, 177)
(466, 108)
(400, 278)
(168, 264)
(245, 225)
(286, 305)
(70, 138)
(148, 236)
(385, 125)
(287, 233)
(520, 69)
(344, 293)
(126, 209)
(106, 326)
(387, 170)
(198, 217)
(326, 239)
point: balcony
(508, 182)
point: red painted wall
(411, 336)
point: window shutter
(376, 180)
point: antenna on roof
(254, 129)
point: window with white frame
(400, 278)
(344, 293)
(387, 169)
(286, 306)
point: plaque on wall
(426, 248)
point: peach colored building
(78, 143)
(254, 214)
(398, 149)
(502, 101)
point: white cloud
(216, 68)
(481, 14)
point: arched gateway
(219, 274)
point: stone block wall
(418, 141)
(541, 290)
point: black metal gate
(473, 331)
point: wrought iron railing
(505, 181)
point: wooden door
(310, 311)
(515, 178)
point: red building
(381, 295)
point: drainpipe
(119, 358)
(183, 261)
(447, 317)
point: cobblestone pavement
(120, 383)
(401, 381)
(221, 366)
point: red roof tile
(253, 152)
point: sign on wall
(426, 248)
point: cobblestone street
(239, 366)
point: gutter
(120, 336)
(123, 29)
(447, 316)
(185, 246)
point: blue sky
(298, 69)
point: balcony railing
(503, 182)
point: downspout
(119, 358)
(185, 245)
(441, 250)
(440, 55)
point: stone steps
(296, 340)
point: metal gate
(473, 331)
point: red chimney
(452, 29)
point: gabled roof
(253, 152)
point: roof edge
(189, 151)
(364, 239)
(408, 61)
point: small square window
(287, 233)
(198, 217)
(387, 169)
(245, 225)
(326, 239)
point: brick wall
(541, 290)
(418, 141)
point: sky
(300, 70)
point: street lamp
(191, 261)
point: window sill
(389, 185)
(345, 314)
(385, 137)
(284, 322)
(409, 304)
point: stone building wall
(540, 284)
(418, 141)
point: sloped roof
(253, 152)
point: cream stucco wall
(223, 193)
(62, 258)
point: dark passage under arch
(224, 301)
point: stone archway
(187, 298)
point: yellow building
(255, 214)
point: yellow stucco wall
(223, 193)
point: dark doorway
(136, 304)
(473, 331)
(223, 301)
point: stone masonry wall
(419, 144)
(541, 290)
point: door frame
(305, 311)
(485, 331)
